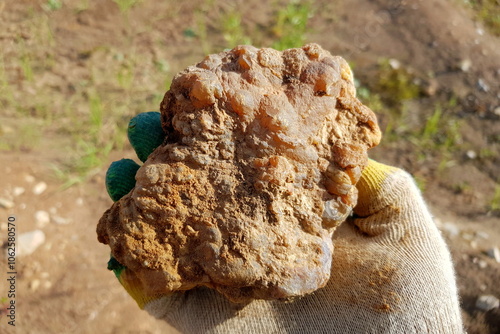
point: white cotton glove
(391, 273)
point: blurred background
(72, 73)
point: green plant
(291, 24)
(83, 5)
(26, 66)
(432, 125)
(462, 187)
(96, 113)
(6, 96)
(232, 29)
(370, 99)
(396, 84)
(126, 5)
(494, 204)
(52, 5)
(441, 132)
(487, 11)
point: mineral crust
(259, 166)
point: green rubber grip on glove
(145, 133)
(120, 178)
(115, 266)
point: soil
(64, 287)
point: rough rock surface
(262, 153)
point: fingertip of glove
(120, 178)
(145, 133)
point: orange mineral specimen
(262, 155)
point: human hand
(391, 270)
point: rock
(496, 111)
(494, 253)
(42, 218)
(450, 229)
(60, 220)
(17, 191)
(28, 242)
(487, 302)
(482, 264)
(394, 63)
(465, 65)
(79, 201)
(39, 188)
(5, 203)
(471, 154)
(483, 86)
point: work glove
(391, 269)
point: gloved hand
(391, 270)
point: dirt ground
(54, 59)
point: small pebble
(450, 229)
(394, 63)
(482, 264)
(79, 201)
(496, 111)
(60, 220)
(465, 65)
(93, 315)
(494, 253)
(29, 178)
(487, 302)
(17, 191)
(483, 85)
(53, 210)
(39, 188)
(5, 203)
(28, 242)
(471, 154)
(34, 284)
(42, 218)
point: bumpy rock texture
(262, 153)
